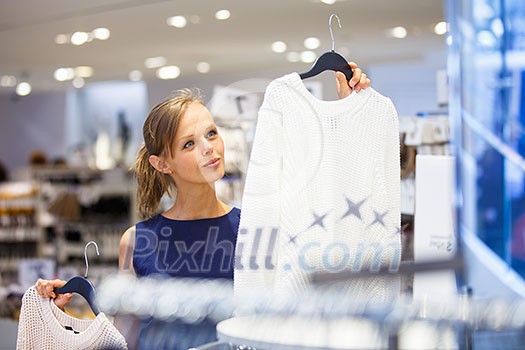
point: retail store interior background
(71, 116)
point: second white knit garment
(322, 192)
(43, 326)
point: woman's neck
(196, 203)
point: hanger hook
(85, 255)
(330, 27)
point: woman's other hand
(46, 289)
(358, 82)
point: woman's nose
(208, 148)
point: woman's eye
(188, 144)
(212, 133)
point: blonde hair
(159, 131)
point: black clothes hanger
(330, 60)
(81, 285)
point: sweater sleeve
(256, 240)
(393, 182)
(23, 340)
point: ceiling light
(78, 82)
(62, 39)
(308, 56)
(135, 75)
(222, 15)
(312, 43)
(63, 74)
(23, 89)
(279, 47)
(8, 81)
(168, 72)
(328, 2)
(440, 28)
(84, 71)
(155, 62)
(203, 67)
(397, 32)
(177, 21)
(79, 38)
(101, 33)
(293, 57)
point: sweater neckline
(332, 107)
(56, 319)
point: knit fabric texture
(43, 326)
(322, 193)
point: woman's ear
(159, 164)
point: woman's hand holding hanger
(46, 289)
(358, 82)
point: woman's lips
(213, 162)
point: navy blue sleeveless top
(202, 248)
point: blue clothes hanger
(81, 285)
(330, 60)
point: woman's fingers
(343, 89)
(62, 299)
(359, 79)
(46, 287)
(356, 78)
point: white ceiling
(240, 44)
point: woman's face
(198, 149)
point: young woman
(183, 155)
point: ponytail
(152, 184)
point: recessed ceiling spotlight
(168, 72)
(221, 15)
(62, 39)
(177, 21)
(312, 43)
(63, 74)
(155, 62)
(308, 56)
(203, 67)
(78, 82)
(83, 71)
(101, 33)
(440, 28)
(397, 32)
(8, 81)
(328, 2)
(135, 75)
(23, 89)
(279, 47)
(79, 38)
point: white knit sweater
(42, 327)
(321, 193)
